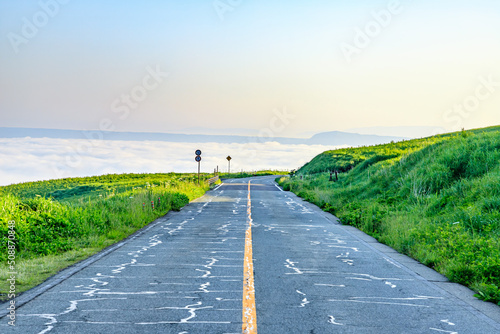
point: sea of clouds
(33, 159)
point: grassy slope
(60, 222)
(436, 199)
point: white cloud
(32, 159)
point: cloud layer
(33, 159)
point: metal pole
(198, 172)
(229, 167)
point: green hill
(436, 199)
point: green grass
(60, 222)
(73, 189)
(436, 199)
(252, 174)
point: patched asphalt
(184, 274)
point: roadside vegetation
(60, 222)
(435, 199)
(244, 174)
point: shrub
(178, 201)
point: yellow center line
(249, 312)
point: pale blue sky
(263, 55)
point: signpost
(197, 158)
(229, 164)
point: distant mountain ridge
(354, 139)
(333, 138)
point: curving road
(251, 259)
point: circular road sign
(197, 152)
(197, 158)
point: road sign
(197, 158)
(229, 164)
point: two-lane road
(252, 259)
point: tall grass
(437, 200)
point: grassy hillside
(59, 222)
(436, 199)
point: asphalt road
(233, 257)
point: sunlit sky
(228, 64)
